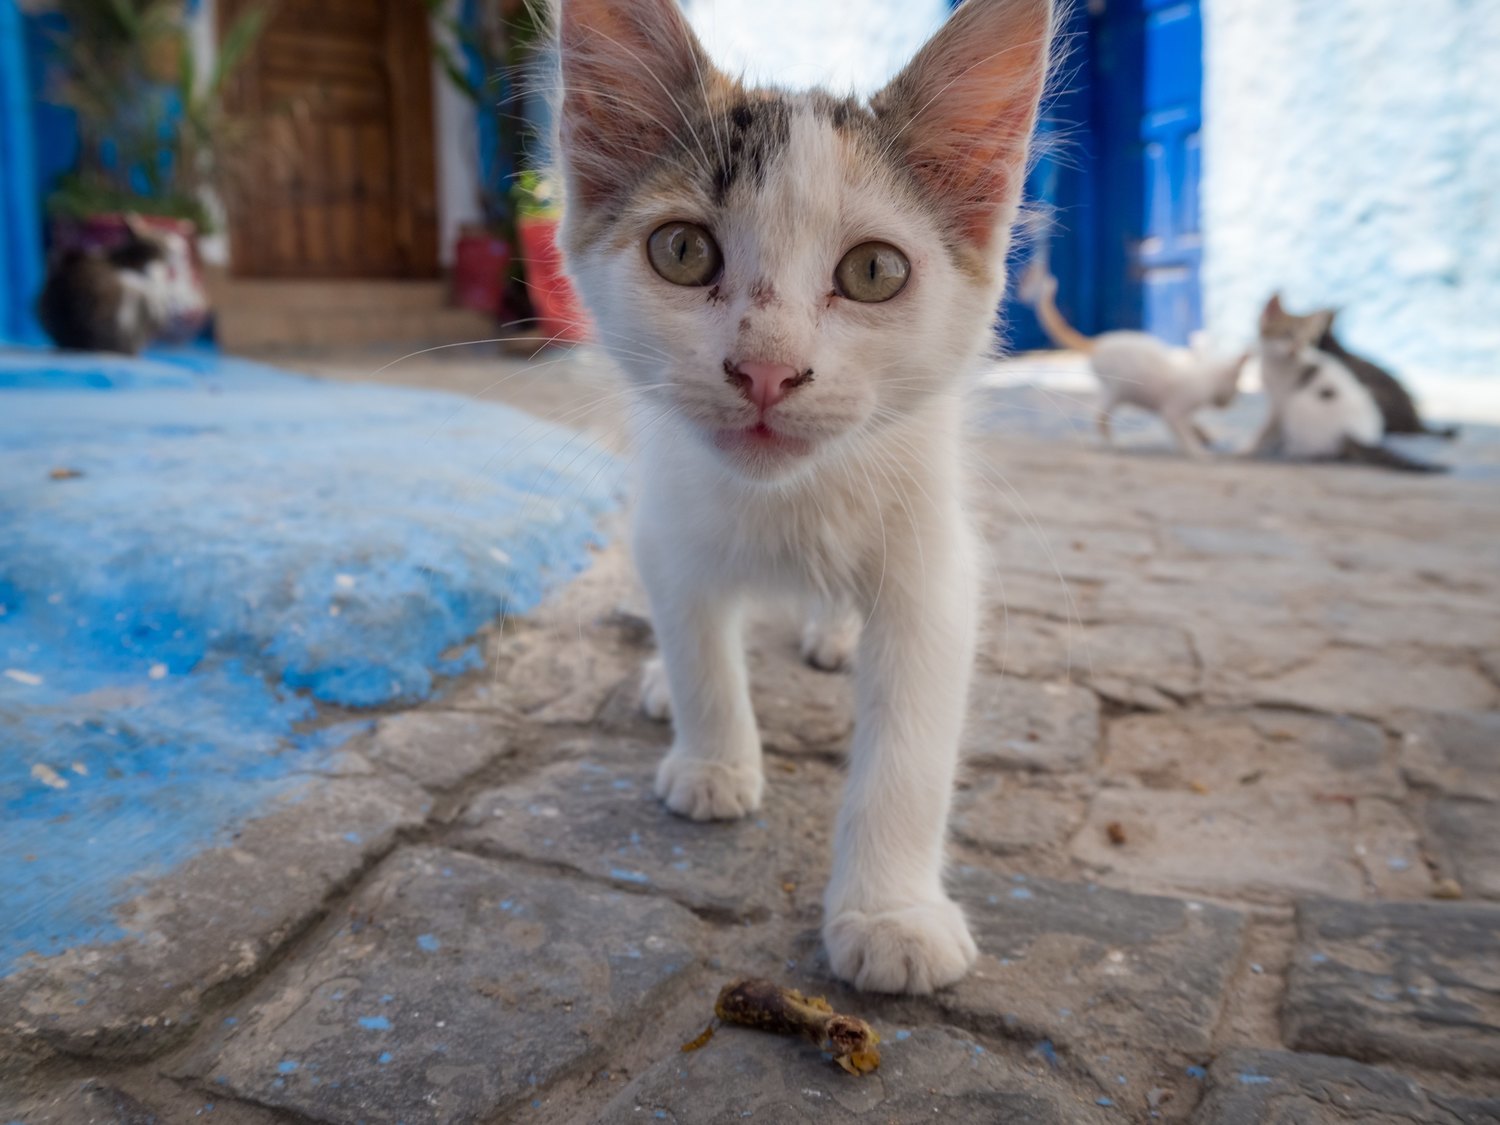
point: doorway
(340, 94)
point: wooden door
(344, 183)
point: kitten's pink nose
(765, 384)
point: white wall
(1352, 158)
(843, 45)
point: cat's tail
(1383, 458)
(1038, 288)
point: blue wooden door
(1170, 250)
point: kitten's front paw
(656, 699)
(915, 949)
(701, 790)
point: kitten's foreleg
(1106, 429)
(1185, 431)
(830, 636)
(888, 923)
(713, 771)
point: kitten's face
(781, 270)
(1284, 334)
(787, 273)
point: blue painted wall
(20, 223)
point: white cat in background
(797, 287)
(1138, 369)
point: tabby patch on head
(789, 271)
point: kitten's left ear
(963, 110)
(632, 73)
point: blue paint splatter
(622, 783)
(384, 1058)
(1197, 1072)
(902, 1035)
(352, 837)
(680, 865)
(1249, 1079)
(1105, 1102)
(286, 1066)
(224, 509)
(1049, 1053)
(230, 1021)
(374, 1023)
(428, 943)
(627, 876)
(1020, 893)
(1318, 958)
(387, 997)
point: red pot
(189, 300)
(559, 313)
(481, 267)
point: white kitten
(798, 287)
(1138, 369)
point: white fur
(870, 521)
(1175, 383)
(1310, 418)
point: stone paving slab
(204, 928)
(439, 749)
(1466, 839)
(456, 989)
(1087, 966)
(598, 815)
(1456, 754)
(1002, 814)
(929, 1074)
(1410, 983)
(1250, 845)
(1253, 751)
(1378, 683)
(1026, 725)
(1259, 1087)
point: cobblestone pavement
(1229, 835)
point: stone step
(258, 315)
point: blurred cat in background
(1317, 407)
(1139, 369)
(123, 298)
(1281, 330)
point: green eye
(684, 254)
(872, 272)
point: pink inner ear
(966, 106)
(629, 71)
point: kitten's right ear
(1272, 312)
(631, 72)
(961, 112)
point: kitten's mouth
(761, 441)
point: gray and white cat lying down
(1317, 409)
